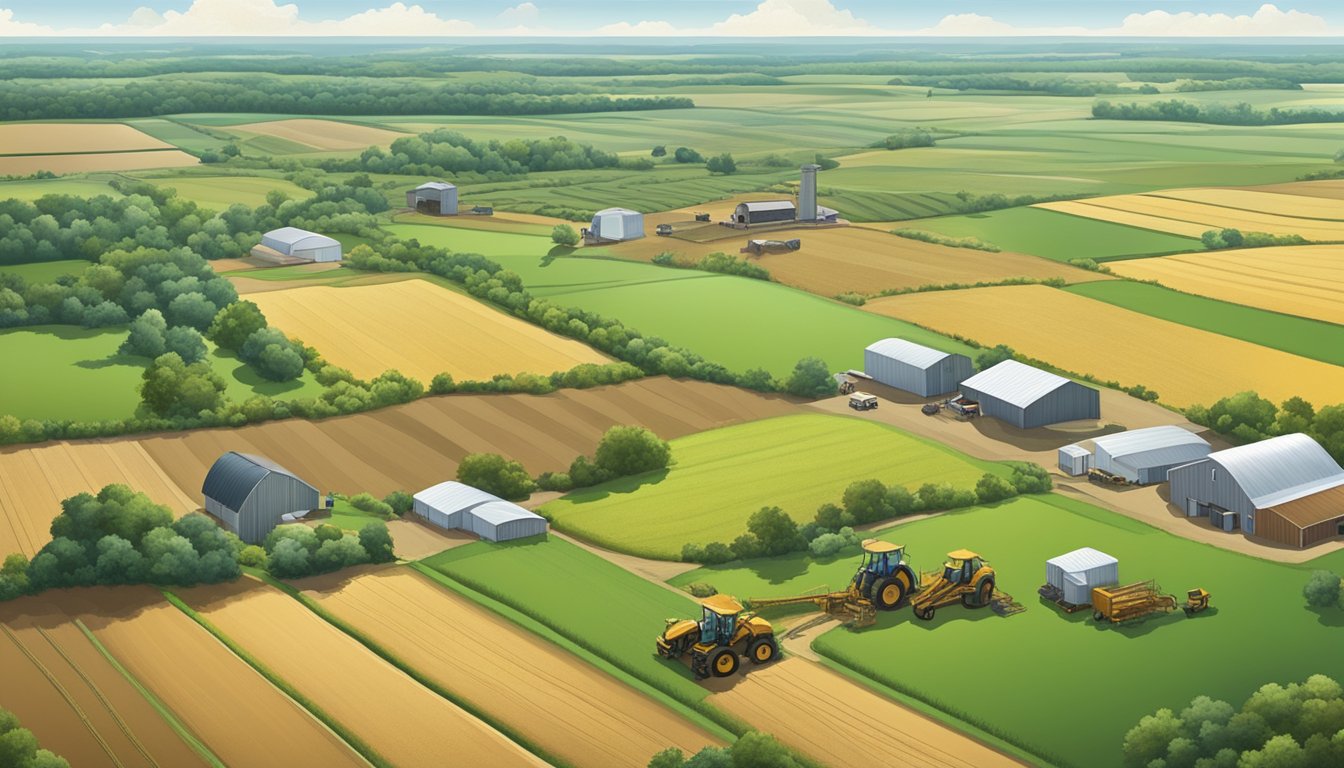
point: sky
(731, 18)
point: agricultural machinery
(716, 643)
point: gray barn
(249, 494)
(456, 505)
(1028, 397)
(914, 367)
(765, 212)
(300, 244)
(436, 198)
(1233, 486)
(1143, 456)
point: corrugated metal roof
(769, 205)
(1015, 383)
(439, 185)
(1075, 450)
(233, 476)
(1154, 447)
(1280, 469)
(908, 352)
(617, 211)
(498, 512)
(452, 496)
(1081, 560)
(293, 236)
(1316, 508)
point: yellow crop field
(1332, 189)
(49, 138)
(1189, 218)
(1292, 205)
(420, 329)
(23, 165)
(1184, 365)
(325, 135)
(1306, 280)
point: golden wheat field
(23, 165)
(1330, 189)
(1305, 280)
(419, 329)
(1261, 201)
(326, 135)
(1184, 365)
(49, 138)
(1192, 219)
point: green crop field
(1299, 335)
(32, 189)
(63, 364)
(722, 476)
(219, 192)
(177, 134)
(971, 662)
(599, 606)
(1057, 236)
(46, 271)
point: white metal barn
(437, 198)
(1075, 573)
(1029, 397)
(617, 224)
(914, 367)
(1143, 456)
(301, 244)
(1075, 460)
(456, 505)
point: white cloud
(626, 29)
(395, 19)
(794, 17)
(521, 13)
(1268, 20)
(975, 25)
(11, 28)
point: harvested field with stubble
(71, 696)
(1184, 365)
(322, 135)
(812, 709)
(1303, 280)
(37, 479)
(405, 722)
(63, 138)
(243, 720)
(569, 708)
(24, 165)
(1193, 212)
(1261, 201)
(420, 329)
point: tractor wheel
(983, 595)
(763, 650)
(723, 662)
(1098, 616)
(924, 614)
(887, 594)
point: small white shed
(456, 505)
(1075, 574)
(617, 224)
(503, 521)
(1075, 460)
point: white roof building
(1028, 397)
(302, 244)
(915, 368)
(456, 505)
(1143, 456)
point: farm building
(1074, 574)
(1028, 397)
(1286, 489)
(250, 494)
(914, 367)
(457, 505)
(436, 198)
(765, 212)
(293, 243)
(1075, 460)
(1143, 456)
(614, 225)
(807, 193)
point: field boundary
(364, 749)
(180, 728)
(410, 671)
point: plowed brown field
(420, 329)
(71, 697)
(23, 165)
(813, 710)
(405, 722)
(323, 134)
(569, 708)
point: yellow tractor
(715, 642)
(882, 583)
(965, 577)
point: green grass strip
(396, 661)
(356, 743)
(167, 714)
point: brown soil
(416, 540)
(813, 710)
(405, 722)
(569, 708)
(22, 165)
(45, 138)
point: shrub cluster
(582, 376)
(446, 152)
(1249, 418)
(1241, 113)
(722, 263)
(19, 747)
(752, 750)
(621, 452)
(907, 138)
(1298, 725)
(936, 238)
(294, 551)
(1218, 239)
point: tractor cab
(962, 566)
(880, 558)
(719, 623)
(884, 578)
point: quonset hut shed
(437, 198)
(1286, 489)
(1075, 573)
(1143, 456)
(617, 224)
(1028, 397)
(765, 212)
(249, 494)
(456, 505)
(914, 367)
(301, 244)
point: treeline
(1300, 725)
(77, 99)
(1238, 84)
(445, 152)
(296, 550)
(622, 451)
(1054, 86)
(771, 531)
(1250, 418)
(907, 138)
(722, 263)
(1241, 113)
(19, 747)
(1219, 239)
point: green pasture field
(63, 364)
(469, 223)
(219, 192)
(177, 134)
(1297, 335)
(597, 605)
(720, 477)
(970, 663)
(1057, 236)
(46, 271)
(32, 189)
(345, 516)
